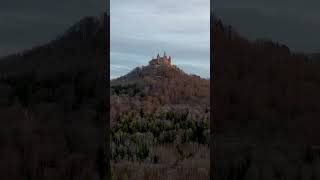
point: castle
(161, 60)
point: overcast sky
(295, 23)
(142, 28)
(24, 24)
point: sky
(141, 29)
(295, 23)
(24, 24)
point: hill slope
(75, 49)
(167, 85)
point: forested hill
(162, 86)
(160, 116)
(75, 49)
(53, 106)
(261, 88)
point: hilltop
(168, 82)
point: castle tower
(165, 60)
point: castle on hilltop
(161, 60)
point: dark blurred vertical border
(212, 77)
(103, 161)
(108, 149)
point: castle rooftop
(164, 60)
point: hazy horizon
(142, 29)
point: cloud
(141, 28)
